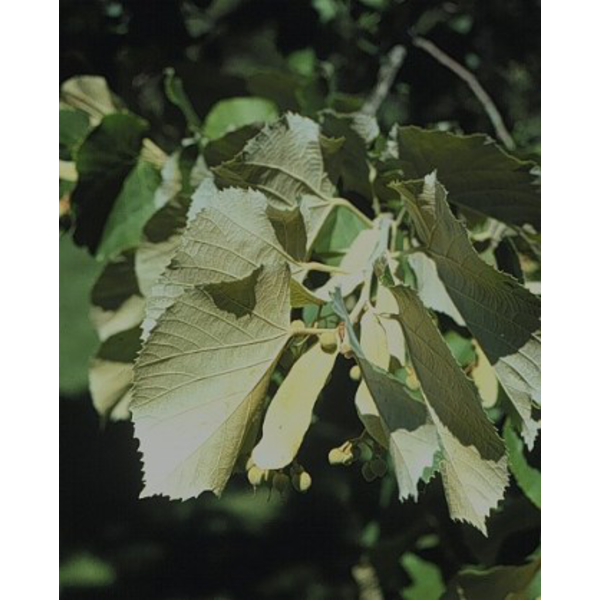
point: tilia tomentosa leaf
(285, 162)
(234, 231)
(474, 464)
(201, 377)
(399, 419)
(220, 321)
(502, 315)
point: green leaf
(498, 583)
(162, 233)
(132, 208)
(226, 147)
(78, 342)
(356, 264)
(111, 374)
(394, 415)
(73, 126)
(502, 315)
(230, 236)
(427, 581)
(339, 229)
(233, 113)
(290, 413)
(474, 469)
(326, 9)
(176, 94)
(350, 161)
(480, 175)
(104, 160)
(301, 296)
(285, 162)
(201, 378)
(528, 478)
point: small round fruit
(355, 373)
(256, 476)
(378, 466)
(302, 482)
(328, 341)
(367, 472)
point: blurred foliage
(345, 539)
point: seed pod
(367, 472)
(329, 341)
(256, 476)
(378, 466)
(302, 482)
(342, 456)
(355, 373)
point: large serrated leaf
(480, 175)
(502, 315)
(285, 162)
(400, 420)
(230, 236)
(474, 465)
(201, 377)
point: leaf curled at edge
(403, 421)
(502, 315)
(474, 465)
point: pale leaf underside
(201, 378)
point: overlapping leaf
(503, 316)
(395, 417)
(480, 175)
(285, 162)
(117, 312)
(201, 378)
(474, 465)
(498, 583)
(223, 302)
(230, 236)
(104, 160)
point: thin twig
(385, 79)
(470, 79)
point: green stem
(311, 330)
(317, 266)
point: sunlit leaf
(290, 412)
(201, 377)
(474, 465)
(398, 417)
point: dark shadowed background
(246, 545)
